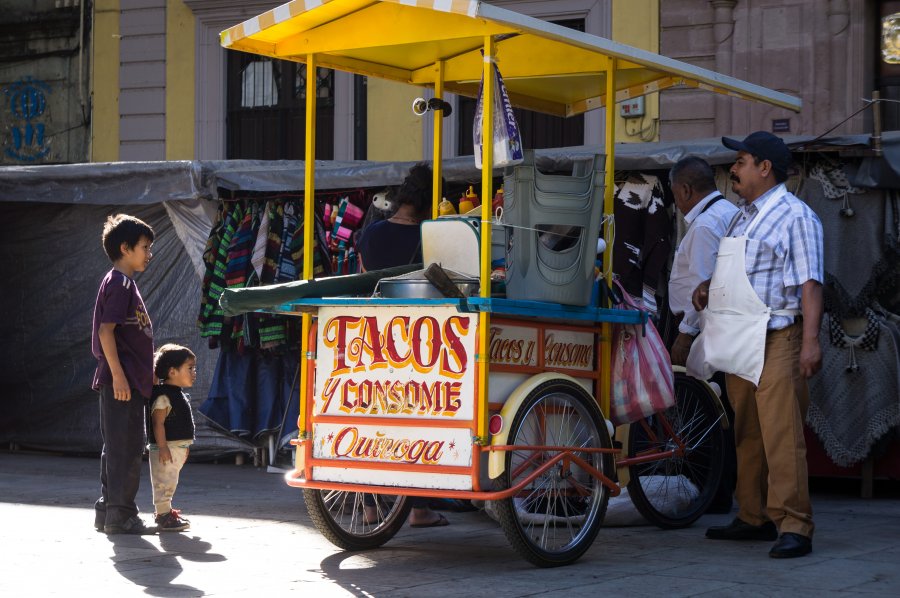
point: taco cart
(437, 381)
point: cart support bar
(295, 479)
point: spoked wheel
(340, 516)
(554, 519)
(675, 491)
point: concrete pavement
(250, 536)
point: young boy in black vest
(171, 430)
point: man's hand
(681, 348)
(810, 357)
(700, 298)
(811, 304)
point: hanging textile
(862, 246)
(254, 388)
(244, 229)
(855, 398)
(643, 230)
(215, 257)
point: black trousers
(122, 431)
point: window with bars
(266, 109)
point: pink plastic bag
(642, 378)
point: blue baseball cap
(764, 146)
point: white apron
(732, 335)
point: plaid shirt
(784, 251)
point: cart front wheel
(554, 518)
(674, 491)
(356, 520)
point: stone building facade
(44, 83)
(823, 51)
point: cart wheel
(340, 517)
(675, 491)
(554, 519)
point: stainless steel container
(420, 288)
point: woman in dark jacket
(397, 240)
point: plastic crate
(553, 222)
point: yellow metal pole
(436, 162)
(608, 206)
(487, 167)
(309, 204)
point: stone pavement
(251, 536)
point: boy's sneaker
(171, 522)
(134, 526)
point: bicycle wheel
(340, 517)
(554, 519)
(673, 492)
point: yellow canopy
(546, 67)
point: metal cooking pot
(415, 288)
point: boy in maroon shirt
(122, 342)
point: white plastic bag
(505, 133)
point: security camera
(420, 106)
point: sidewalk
(250, 536)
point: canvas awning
(546, 67)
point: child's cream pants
(164, 476)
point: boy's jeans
(122, 431)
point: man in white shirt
(707, 215)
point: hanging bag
(505, 131)
(642, 378)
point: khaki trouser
(164, 476)
(772, 478)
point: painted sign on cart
(380, 371)
(404, 362)
(393, 444)
(562, 348)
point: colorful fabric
(212, 320)
(233, 247)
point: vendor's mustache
(735, 178)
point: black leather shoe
(741, 530)
(790, 546)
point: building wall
(636, 23)
(169, 84)
(180, 81)
(142, 80)
(143, 84)
(44, 117)
(815, 49)
(105, 82)
(393, 132)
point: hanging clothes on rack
(212, 320)
(255, 242)
(643, 231)
(855, 398)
